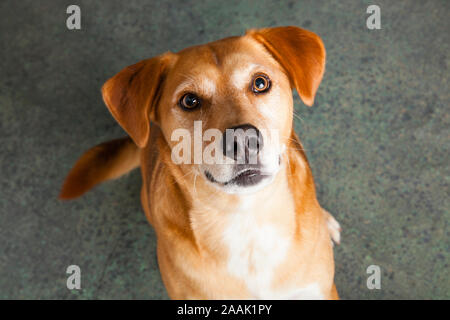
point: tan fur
(106, 161)
(197, 224)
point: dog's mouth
(244, 178)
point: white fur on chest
(309, 292)
(255, 251)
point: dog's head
(225, 108)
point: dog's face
(225, 108)
(231, 84)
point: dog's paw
(333, 227)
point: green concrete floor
(377, 139)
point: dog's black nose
(242, 143)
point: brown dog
(226, 229)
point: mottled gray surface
(377, 139)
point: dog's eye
(189, 101)
(261, 83)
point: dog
(235, 229)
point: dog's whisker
(296, 149)
(195, 180)
(183, 176)
(298, 116)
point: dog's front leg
(333, 227)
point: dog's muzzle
(242, 144)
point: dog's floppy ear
(300, 52)
(131, 96)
